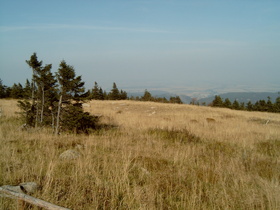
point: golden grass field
(149, 156)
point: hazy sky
(144, 42)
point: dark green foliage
(147, 96)
(50, 104)
(249, 106)
(2, 90)
(227, 103)
(76, 120)
(28, 112)
(70, 86)
(115, 94)
(17, 91)
(276, 106)
(261, 105)
(217, 102)
(175, 100)
(96, 93)
(70, 115)
(27, 90)
(235, 105)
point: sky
(145, 43)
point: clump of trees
(54, 99)
(261, 105)
(147, 96)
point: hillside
(243, 97)
(239, 96)
(149, 156)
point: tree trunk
(33, 88)
(30, 199)
(43, 104)
(37, 114)
(58, 115)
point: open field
(149, 156)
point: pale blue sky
(145, 42)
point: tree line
(261, 105)
(18, 91)
(56, 100)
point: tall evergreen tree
(115, 93)
(71, 113)
(35, 65)
(46, 93)
(96, 92)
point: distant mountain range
(243, 97)
(239, 96)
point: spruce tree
(71, 115)
(227, 103)
(217, 102)
(277, 105)
(236, 105)
(147, 96)
(2, 90)
(249, 106)
(115, 93)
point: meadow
(148, 155)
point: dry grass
(150, 156)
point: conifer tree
(35, 65)
(236, 105)
(115, 93)
(249, 106)
(27, 90)
(217, 102)
(70, 87)
(147, 96)
(227, 103)
(17, 91)
(2, 90)
(97, 92)
(71, 94)
(176, 100)
(277, 105)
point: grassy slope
(156, 156)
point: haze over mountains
(206, 93)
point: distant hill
(243, 97)
(239, 96)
